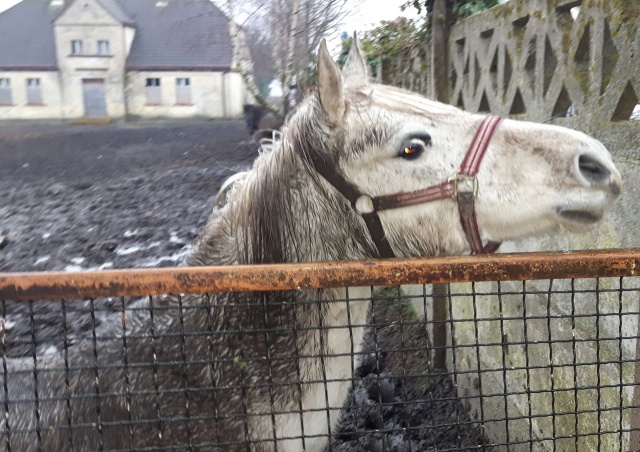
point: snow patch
(51, 350)
(176, 258)
(173, 238)
(136, 248)
(42, 260)
(78, 268)
(129, 233)
(127, 251)
(78, 260)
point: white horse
(360, 171)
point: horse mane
(262, 215)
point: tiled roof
(116, 11)
(183, 34)
(26, 35)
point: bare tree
(241, 59)
(262, 59)
(320, 19)
(294, 29)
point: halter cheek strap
(463, 187)
(468, 171)
(331, 174)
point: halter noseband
(462, 187)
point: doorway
(93, 93)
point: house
(117, 58)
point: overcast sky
(4, 4)
(368, 13)
(371, 12)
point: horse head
(399, 159)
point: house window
(34, 91)
(77, 48)
(104, 48)
(5, 91)
(183, 91)
(154, 95)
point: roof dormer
(92, 12)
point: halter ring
(464, 185)
(364, 205)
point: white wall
(236, 94)
(50, 85)
(213, 94)
(129, 36)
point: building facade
(117, 58)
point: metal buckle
(364, 205)
(464, 186)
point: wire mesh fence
(494, 356)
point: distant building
(113, 58)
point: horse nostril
(615, 189)
(593, 170)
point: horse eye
(413, 149)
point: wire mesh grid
(503, 365)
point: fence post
(439, 91)
(440, 310)
(440, 15)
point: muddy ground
(135, 195)
(86, 197)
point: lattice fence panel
(534, 60)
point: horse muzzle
(598, 173)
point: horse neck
(282, 212)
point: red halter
(462, 187)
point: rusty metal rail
(196, 280)
(491, 344)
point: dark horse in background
(259, 117)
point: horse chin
(579, 220)
(584, 210)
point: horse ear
(355, 72)
(329, 83)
